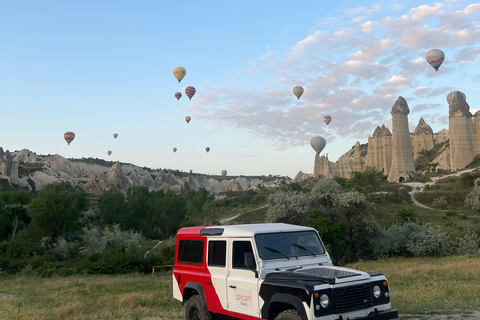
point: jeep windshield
(288, 244)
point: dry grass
(419, 286)
(431, 286)
(88, 297)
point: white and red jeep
(271, 271)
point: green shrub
(468, 244)
(440, 202)
(405, 215)
(412, 239)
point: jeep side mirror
(248, 260)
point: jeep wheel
(290, 314)
(195, 309)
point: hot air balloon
(179, 73)
(178, 95)
(188, 118)
(190, 92)
(327, 119)
(298, 91)
(318, 143)
(115, 135)
(174, 150)
(69, 136)
(224, 172)
(452, 94)
(435, 58)
(207, 149)
(109, 152)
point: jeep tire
(195, 310)
(290, 314)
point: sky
(102, 67)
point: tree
(170, 212)
(287, 207)
(324, 192)
(57, 209)
(352, 208)
(198, 205)
(368, 177)
(13, 213)
(139, 212)
(112, 206)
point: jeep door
(242, 281)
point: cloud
(354, 73)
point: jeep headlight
(324, 301)
(377, 292)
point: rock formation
(461, 133)
(423, 138)
(357, 158)
(403, 167)
(96, 175)
(379, 153)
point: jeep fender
(285, 298)
(193, 286)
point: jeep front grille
(352, 298)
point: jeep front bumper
(380, 315)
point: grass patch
(419, 286)
(130, 296)
(429, 285)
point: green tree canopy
(112, 206)
(57, 209)
(287, 207)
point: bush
(412, 239)
(440, 202)
(405, 215)
(468, 244)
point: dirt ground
(462, 315)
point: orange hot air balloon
(179, 73)
(69, 136)
(115, 135)
(188, 118)
(190, 92)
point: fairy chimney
(403, 167)
(461, 131)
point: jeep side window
(217, 253)
(190, 251)
(242, 251)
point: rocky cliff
(28, 170)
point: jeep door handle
(233, 287)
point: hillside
(26, 169)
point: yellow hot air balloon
(298, 91)
(179, 73)
(188, 118)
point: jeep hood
(326, 274)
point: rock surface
(96, 175)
